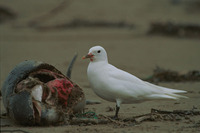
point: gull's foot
(115, 117)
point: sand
(130, 49)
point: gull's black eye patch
(99, 51)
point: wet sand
(129, 49)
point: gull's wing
(132, 85)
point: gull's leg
(116, 112)
(118, 102)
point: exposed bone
(37, 92)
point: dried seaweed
(91, 118)
(154, 115)
(79, 23)
(14, 130)
(6, 14)
(175, 30)
(163, 75)
(162, 115)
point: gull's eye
(99, 51)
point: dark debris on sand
(6, 14)
(91, 118)
(154, 115)
(175, 30)
(82, 23)
(164, 75)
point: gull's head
(96, 53)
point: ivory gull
(115, 85)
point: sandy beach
(40, 33)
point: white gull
(115, 85)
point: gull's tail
(166, 96)
(166, 92)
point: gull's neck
(99, 63)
